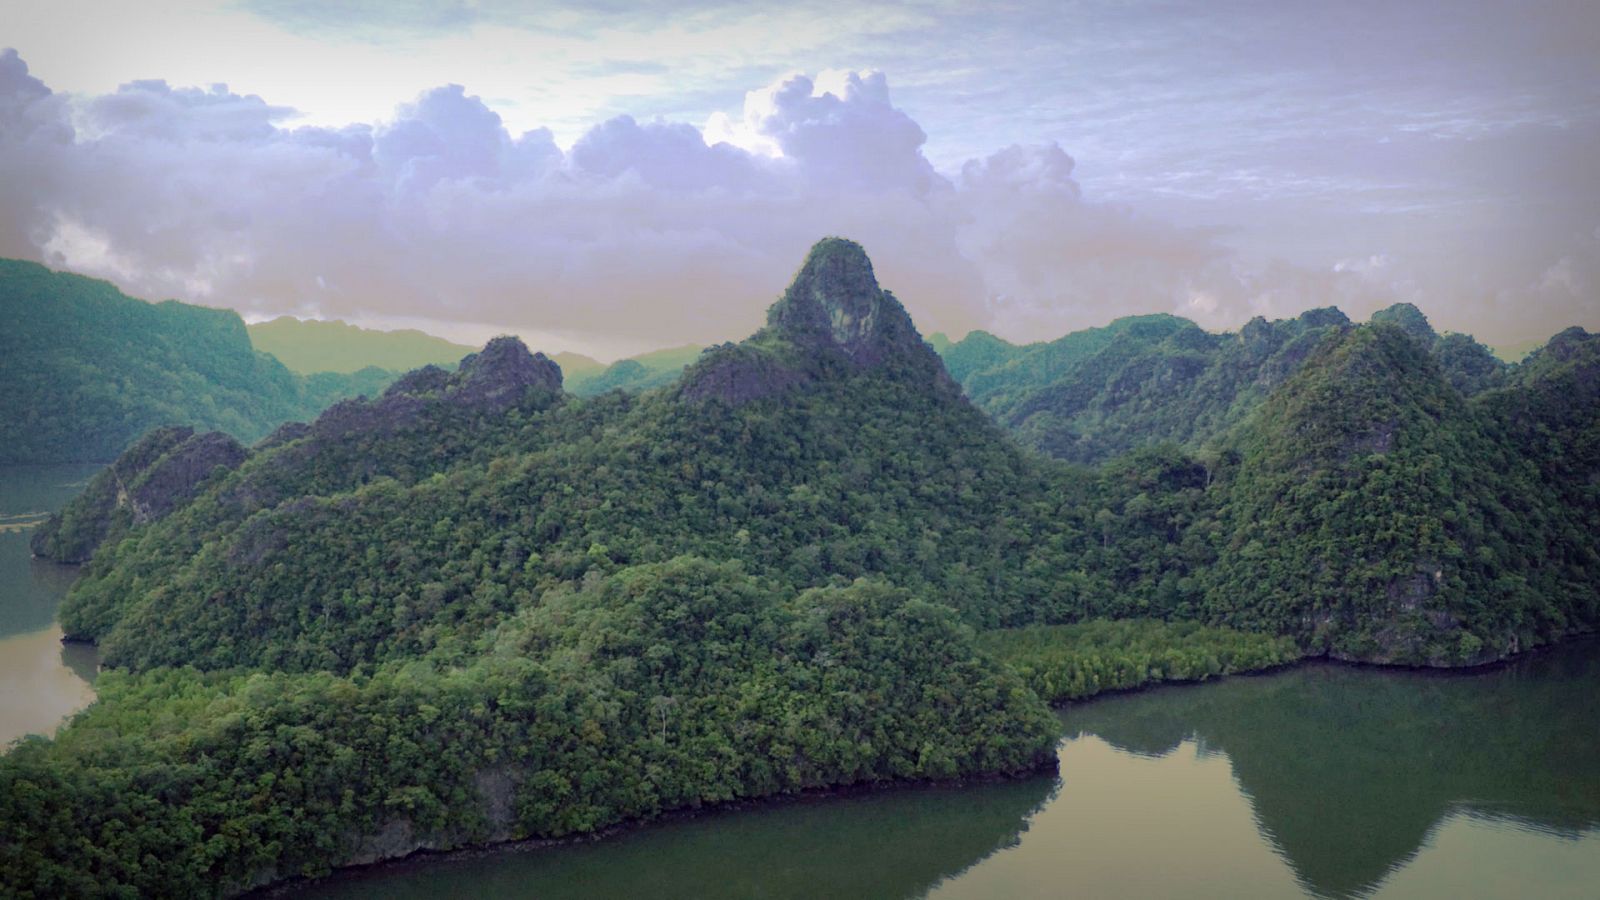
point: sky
(613, 177)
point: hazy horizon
(615, 181)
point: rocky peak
(833, 319)
(835, 301)
(1327, 317)
(498, 374)
(1409, 319)
(162, 471)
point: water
(42, 681)
(1322, 781)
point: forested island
(479, 608)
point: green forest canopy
(479, 607)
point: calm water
(42, 681)
(1322, 781)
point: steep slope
(833, 321)
(309, 345)
(1377, 515)
(478, 609)
(842, 450)
(84, 370)
(161, 472)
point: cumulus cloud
(640, 234)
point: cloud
(642, 233)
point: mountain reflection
(896, 843)
(1350, 770)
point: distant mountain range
(1102, 392)
(310, 346)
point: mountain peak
(498, 374)
(833, 313)
(835, 300)
(1409, 319)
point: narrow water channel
(44, 680)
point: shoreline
(1331, 661)
(423, 857)
(1047, 767)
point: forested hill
(1098, 393)
(85, 369)
(479, 607)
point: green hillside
(85, 369)
(1095, 394)
(480, 608)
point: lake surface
(1321, 781)
(42, 681)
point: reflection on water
(888, 844)
(1325, 781)
(1354, 772)
(1126, 825)
(42, 681)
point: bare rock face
(162, 471)
(834, 318)
(176, 477)
(835, 304)
(419, 382)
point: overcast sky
(611, 177)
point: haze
(608, 179)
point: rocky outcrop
(735, 374)
(1408, 318)
(836, 306)
(497, 376)
(162, 471)
(176, 477)
(489, 381)
(833, 320)
(400, 433)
